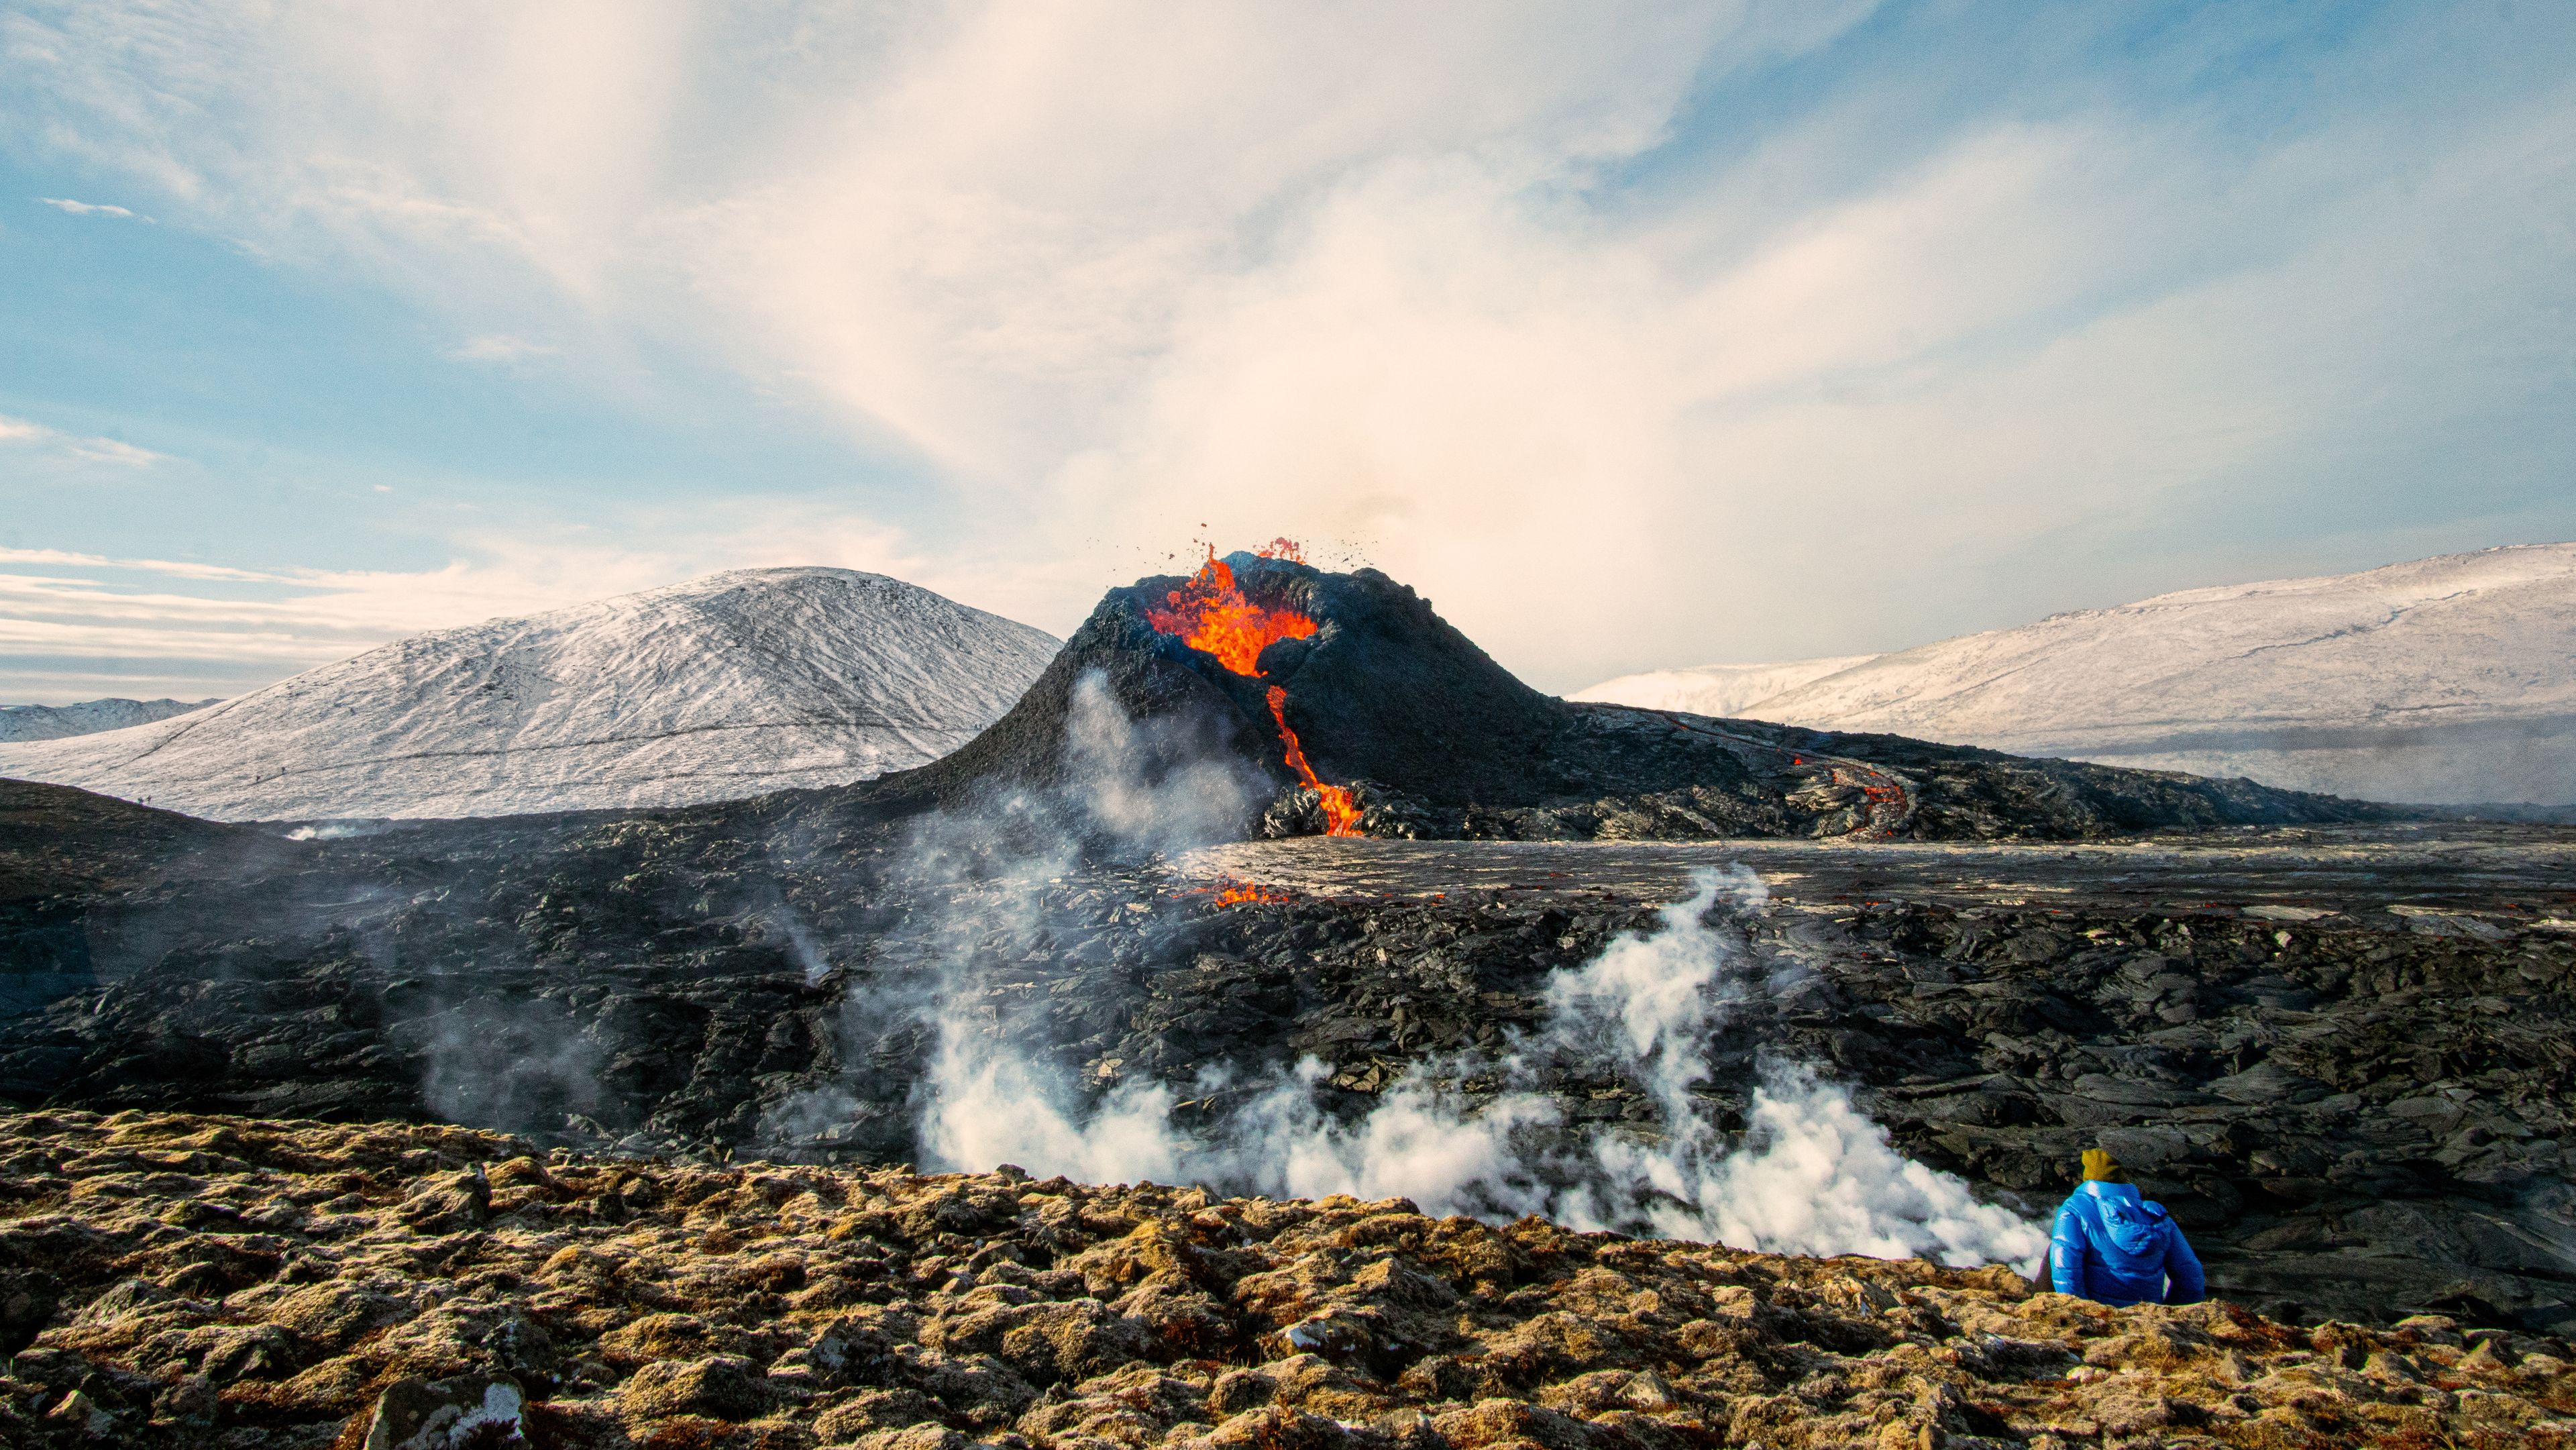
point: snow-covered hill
(55, 722)
(1728, 691)
(2450, 679)
(727, 686)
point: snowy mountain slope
(55, 722)
(723, 687)
(2450, 679)
(1721, 690)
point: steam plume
(1471, 1132)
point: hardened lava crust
(172, 1280)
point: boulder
(468, 1412)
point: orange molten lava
(1341, 811)
(1234, 891)
(1209, 613)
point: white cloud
(990, 279)
(500, 347)
(78, 446)
(1869, 358)
(972, 227)
(85, 208)
(108, 450)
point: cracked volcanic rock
(196, 1281)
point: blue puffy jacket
(2113, 1246)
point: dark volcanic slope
(65, 855)
(1446, 743)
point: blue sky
(1634, 335)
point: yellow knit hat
(2100, 1165)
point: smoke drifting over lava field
(1634, 971)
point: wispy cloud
(177, 567)
(499, 347)
(19, 431)
(88, 208)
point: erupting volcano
(1210, 613)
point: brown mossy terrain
(171, 1279)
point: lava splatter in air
(1211, 613)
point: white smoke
(1145, 787)
(1821, 1178)
(335, 830)
(804, 947)
(1140, 788)
(1810, 1174)
(1474, 1133)
(1419, 1142)
(991, 1104)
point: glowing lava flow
(1210, 613)
(1341, 809)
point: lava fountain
(1210, 613)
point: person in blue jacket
(2112, 1246)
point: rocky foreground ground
(170, 1279)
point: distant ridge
(724, 687)
(56, 722)
(2447, 680)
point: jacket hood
(2137, 1226)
